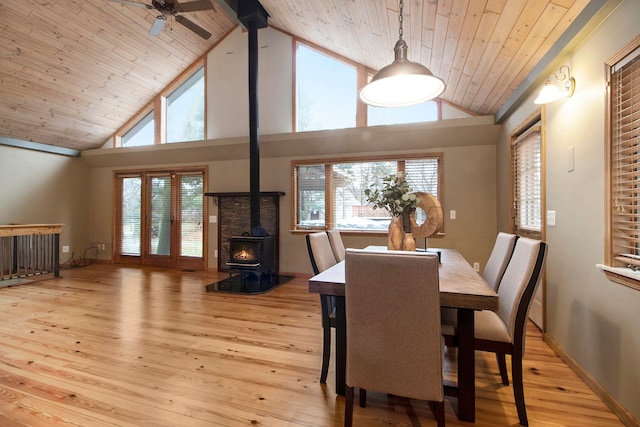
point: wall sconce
(552, 91)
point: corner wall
(42, 188)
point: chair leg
(502, 366)
(439, 413)
(326, 354)
(363, 398)
(518, 389)
(348, 406)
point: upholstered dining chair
(499, 258)
(336, 244)
(503, 332)
(387, 295)
(321, 256)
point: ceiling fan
(169, 8)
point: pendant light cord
(400, 18)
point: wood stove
(253, 257)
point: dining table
(461, 288)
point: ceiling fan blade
(193, 26)
(132, 3)
(194, 6)
(158, 25)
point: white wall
(227, 84)
(593, 320)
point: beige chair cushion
(336, 244)
(394, 344)
(515, 279)
(488, 325)
(321, 249)
(499, 258)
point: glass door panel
(191, 215)
(131, 214)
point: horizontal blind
(129, 239)
(423, 175)
(527, 183)
(625, 155)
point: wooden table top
(460, 285)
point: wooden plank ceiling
(72, 72)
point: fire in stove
(244, 255)
(252, 255)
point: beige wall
(42, 188)
(469, 177)
(592, 319)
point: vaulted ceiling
(72, 72)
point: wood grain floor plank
(109, 345)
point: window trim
(533, 123)
(327, 162)
(158, 105)
(615, 268)
(363, 75)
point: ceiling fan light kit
(403, 82)
(168, 8)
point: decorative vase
(395, 234)
(408, 242)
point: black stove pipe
(254, 128)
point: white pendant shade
(401, 83)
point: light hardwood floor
(125, 346)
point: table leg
(466, 366)
(341, 345)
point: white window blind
(527, 200)
(625, 159)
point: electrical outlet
(101, 245)
(215, 253)
(65, 249)
(476, 266)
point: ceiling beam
(592, 16)
(37, 146)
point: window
(424, 112)
(624, 158)
(143, 133)
(527, 183)
(185, 110)
(326, 91)
(330, 194)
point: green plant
(395, 195)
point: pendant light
(402, 82)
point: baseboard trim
(627, 418)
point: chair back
(336, 244)
(394, 344)
(518, 285)
(499, 258)
(320, 252)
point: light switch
(452, 214)
(551, 218)
(570, 154)
(213, 219)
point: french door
(160, 218)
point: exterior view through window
(185, 110)
(143, 133)
(331, 194)
(326, 91)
